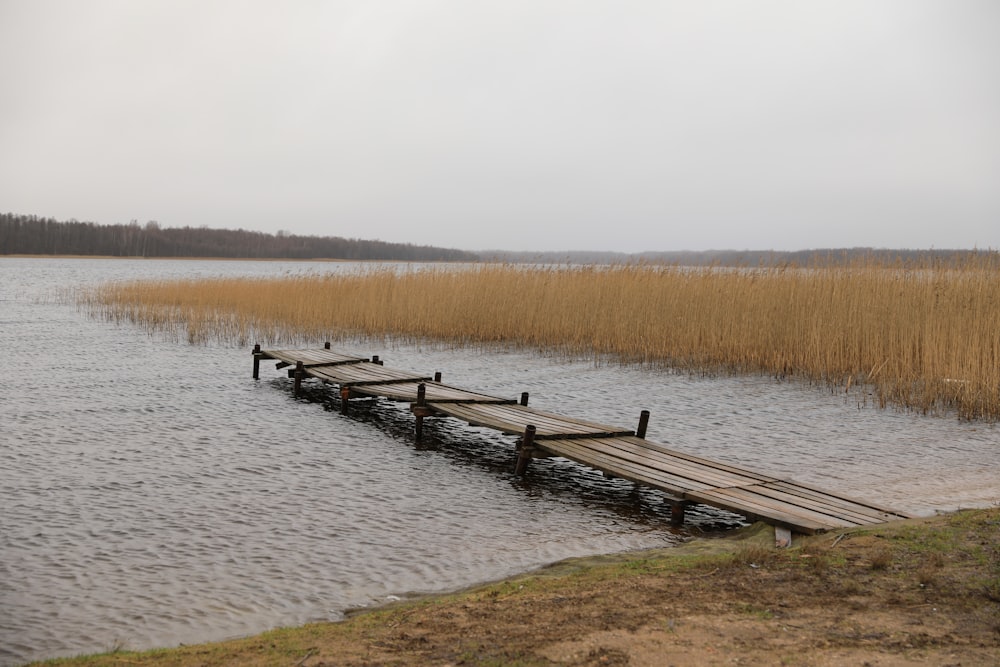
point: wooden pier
(617, 452)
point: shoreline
(919, 591)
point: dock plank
(312, 357)
(435, 391)
(748, 495)
(579, 451)
(513, 419)
(677, 468)
(366, 373)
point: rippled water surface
(153, 493)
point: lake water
(154, 494)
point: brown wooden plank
(748, 495)
(434, 391)
(579, 450)
(547, 421)
(312, 357)
(834, 497)
(721, 476)
(718, 465)
(514, 419)
(363, 374)
(818, 505)
(704, 475)
(757, 512)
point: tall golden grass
(925, 337)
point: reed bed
(923, 337)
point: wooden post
(524, 398)
(299, 373)
(437, 376)
(421, 409)
(375, 360)
(643, 423)
(345, 397)
(677, 512)
(326, 345)
(525, 450)
(256, 361)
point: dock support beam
(524, 450)
(640, 432)
(420, 410)
(677, 507)
(256, 361)
(299, 374)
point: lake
(154, 494)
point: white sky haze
(542, 125)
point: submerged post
(345, 397)
(643, 423)
(256, 361)
(677, 506)
(299, 374)
(525, 450)
(420, 410)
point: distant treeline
(33, 235)
(743, 258)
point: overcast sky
(538, 125)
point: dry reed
(925, 337)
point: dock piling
(256, 361)
(300, 372)
(643, 423)
(420, 409)
(524, 399)
(525, 449)
(345, 397)
(437, 376)
(677, 507)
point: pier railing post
(299, 374)
(643, 423)
(256, 361)
(525, 450)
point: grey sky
(577, 125)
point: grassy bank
(925, 337)
(924, 591)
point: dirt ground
(883, 597)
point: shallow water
(153, 493)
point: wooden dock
(618, 452)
